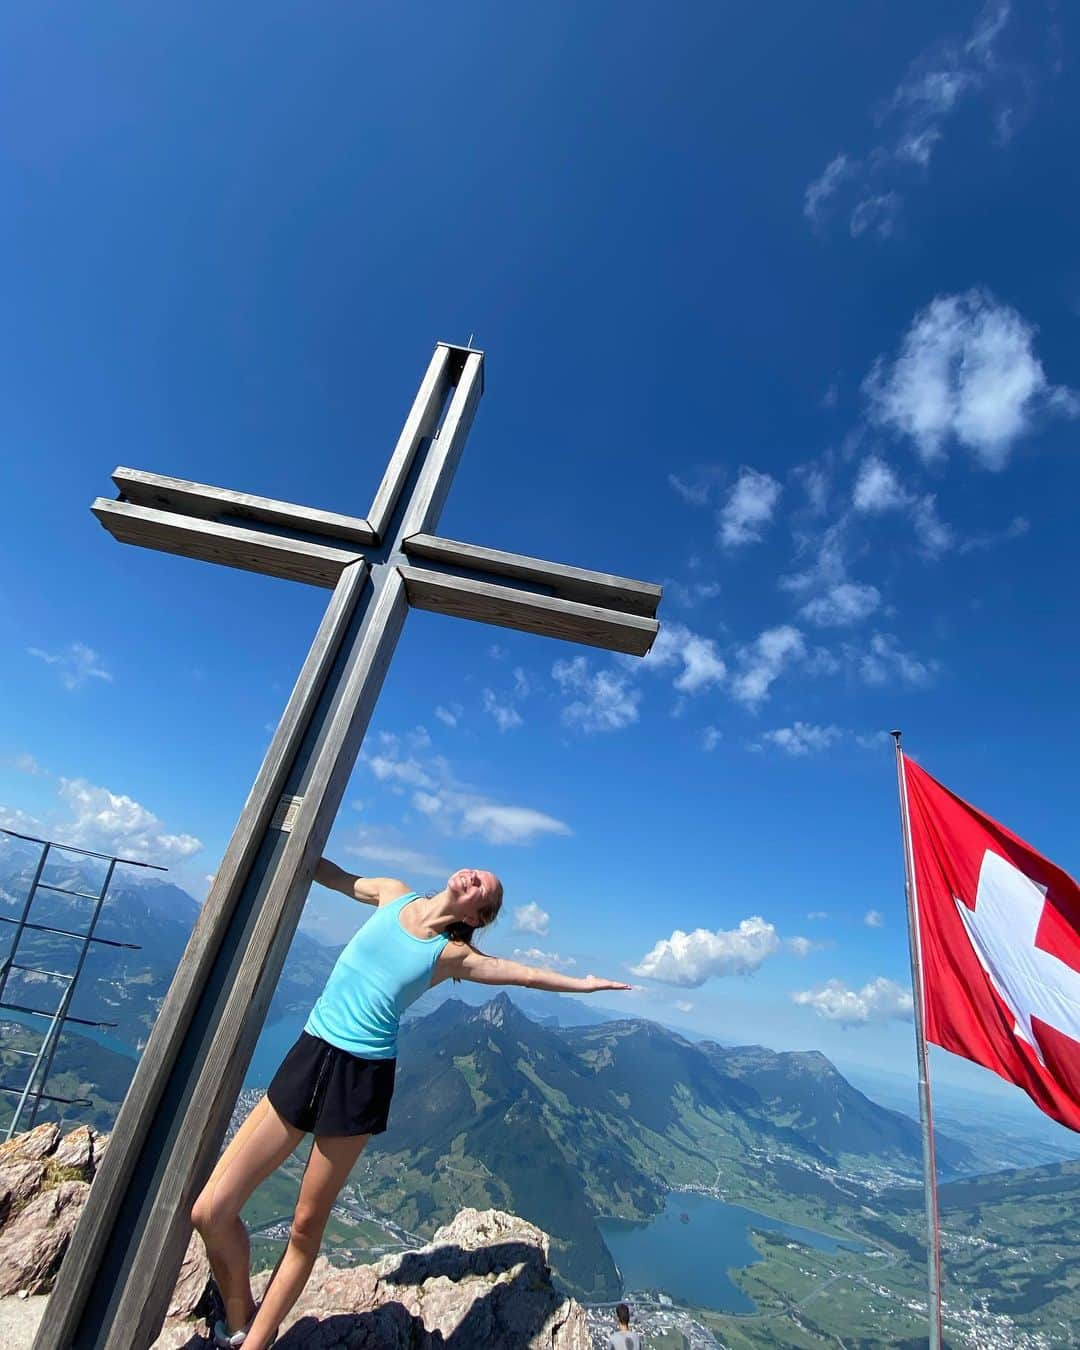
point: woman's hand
(594, 983)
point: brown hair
(465, 932)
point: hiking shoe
(225, 1339)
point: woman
(337, 1080)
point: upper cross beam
(303, 543)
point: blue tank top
(381, 970)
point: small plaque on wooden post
(284, 817)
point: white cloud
(550, 958)
(393, 857)
(677, 645)
(873, 740)
(26, 763)
(14, 818)
(390, 768)
(873, 918)
(828, 568)
(881, 1000)
(966, 373)
(76, 664)
(689, 959)
(914, 117)
(1016, 529)
(847, 603)
(817, 914)
(509, 824)
(604, 701)
(934, 536)
(522, 684)
(762, 661)
(531, 918)
(802, 946)
(682, 1006)
(111, 822)
(711, 737)
(877, 488)
(885, 660)
(748, 509)
(453, 807)
(693, 494)
(803, 738)
(877, 213)
(822, 189)
(449, 716)
(505, 715)
(497, 653)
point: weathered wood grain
(568, 583)
(443, 593)
(421, 422)
(232, 545)
(212, 503)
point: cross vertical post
(114, 1285)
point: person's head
(622, 1313)
(476, 897)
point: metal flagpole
(933, 1236)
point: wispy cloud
(548, 958)
(531, 918)
(761, 662)
(873, 918)
(966, 374)
(691, 654)
(689, 959)
(803, 738)
(867, 190)
(113, 822)
(881, 1000)
(504, 715)
(749, 509)
(884, 660)
(604, 700)
(453, 807)
(76, 664)
(449, 714)
(842, 605)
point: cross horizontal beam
(567, 583)
(443, 593)
(213, 503)
(251, 550)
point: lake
(690, 1261)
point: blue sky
(780, 312)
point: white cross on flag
(999, 932)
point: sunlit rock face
(483, 1280)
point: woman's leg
(332, 1158)
(259, 1147)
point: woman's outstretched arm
(371, 890)
(463, 963)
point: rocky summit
(483, 1280)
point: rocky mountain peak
(482, 1280)
(500, 1012)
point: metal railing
(29, 1094)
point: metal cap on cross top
(114, 1285)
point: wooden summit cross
(114, 1285)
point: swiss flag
(999, 928)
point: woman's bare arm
(371, 890)
(463, 963)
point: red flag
(999, 928)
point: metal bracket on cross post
(113, 1287)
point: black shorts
(324, 1090)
